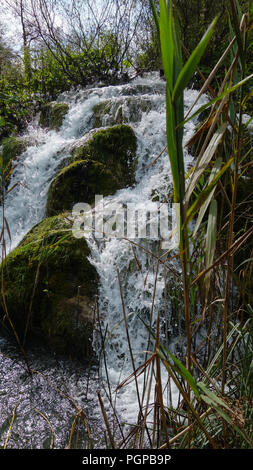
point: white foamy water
(142, 283)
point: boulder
(79, 182)
(104, 162)
(49, 287)
(121, 110)
(13, 147)
(116, 148)
(52, 115)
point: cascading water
(127, 272)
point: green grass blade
(239, 9)
(205, 160)
(190, 67)
(217, 357)
(185, 374)
(155, 15)
(236, 28)
(204, 207)
(215, 400)
(211, 232)
(172, 144)
(199, 201)
(179, 108)
(211, 239)
(178, 50)
(167, 42)
(226, 417)
(227, 92)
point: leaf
(211, 238)
(178, 50)
(167, 43)
(7, 227)
(6, 177)
(11, 189)
(250, 309)
(172, 146)
(214, 399)
(191, 65)
(210, 402)
(215, 100)
(155, 15)
(204, 207)
(239, 9)
(205, 160)
(182, 370)
(236, 28)
(199, 201)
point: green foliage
(48, 77)
(12, 148)
(149, 56)
(194, 18)
(47, 72)
(15, 107)
(15, 101)
(57, 69)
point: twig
(106, 421)
(50, 425)
(10, 428)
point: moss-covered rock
(115, 147)
(123, 110)
(12, 147)
(101, 110)
(52, 115)
(49, 287)
(79, 182)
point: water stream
(59, 386)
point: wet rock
(116, 148)
(49, 287)
(52, 115)
(79, 182)
(122, 110)
(13, 147)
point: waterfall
(141, 104)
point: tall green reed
(215, 160)
(177, 79)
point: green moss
(100, 110)
(79, 182)
(12, 148)
(115, 147)
(52, 115)
(49, 284)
